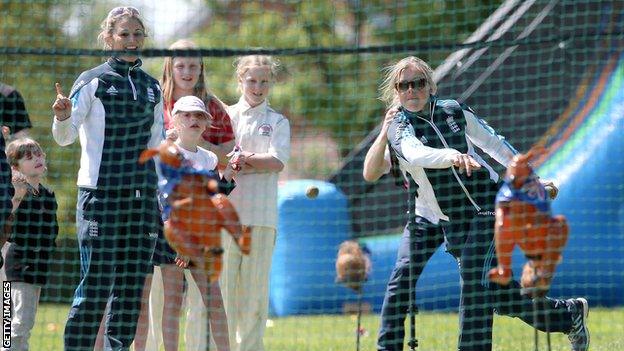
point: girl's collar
(246, 107)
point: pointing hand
(62, 105)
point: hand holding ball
(312, 192)
(551, 189)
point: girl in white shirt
(264, 136)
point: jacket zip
(461, 184)
(134, 92)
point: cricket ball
(312, 192)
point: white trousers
(24, 302)
(195, 329)
(245, 286)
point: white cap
(189, 103)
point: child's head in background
(256, 74)
(27, 157)
(184, 75)
(190, 119)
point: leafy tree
(334, 92)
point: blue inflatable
(591, 179)
(309, 233)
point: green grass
(435, 331)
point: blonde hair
(387, 90)
(20, 148)
(244, 63)
(168, 85)
(113, 17)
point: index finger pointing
(59, 90)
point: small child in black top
(32, 232)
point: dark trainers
(579, 334)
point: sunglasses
(418, 84)
(121, 9)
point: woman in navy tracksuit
(452, 196)
(116, 111)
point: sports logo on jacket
(452, 124)
(76, 87)
(265, 130)
(112, 90)
(150, 95)
(93, 228)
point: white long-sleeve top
(451, 130)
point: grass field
(435, 331)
